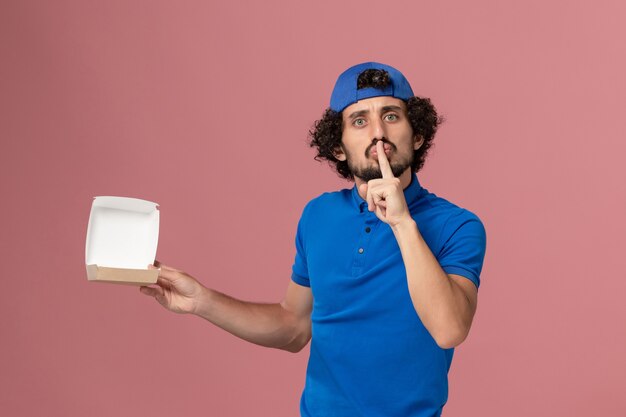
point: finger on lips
(383, 162)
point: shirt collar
(411, 194)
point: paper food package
(122, 238)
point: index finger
(385, 168)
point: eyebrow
(384, 109)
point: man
(385, 274)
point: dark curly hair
(326, 133)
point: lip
(374, 152)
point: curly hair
(326, 133)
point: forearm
(267, 325)
(440, 304)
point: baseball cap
(346, 92)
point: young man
(386, 273)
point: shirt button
(367, 230)
(360, 250)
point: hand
(176, 290)
(385, 196)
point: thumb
(363, 188)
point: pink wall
(203, 107)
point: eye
(391, 117)
(359, 122)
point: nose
(377, 129)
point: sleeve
(463, 251)
(300, 270)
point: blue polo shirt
(370, 354)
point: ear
(339, 153)
(418, 141)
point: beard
(373, 172)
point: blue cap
(346, 92)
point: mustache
(373, 145)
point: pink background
(203, 107)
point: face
(369, 121)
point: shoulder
(327, 201)
(447, 212)
(463, 227)
(457, 216)
(444, 221)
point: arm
(445, 303)
(285, 325)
